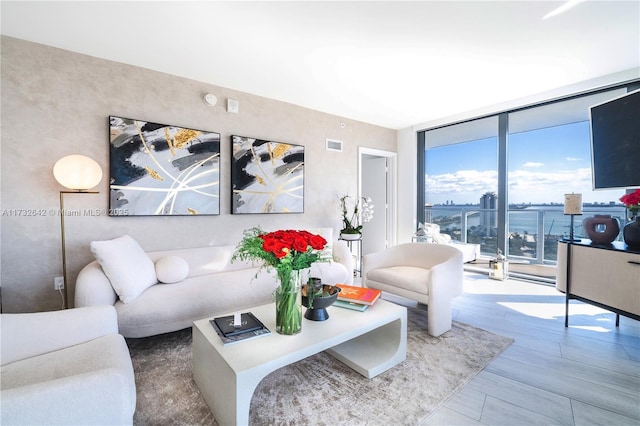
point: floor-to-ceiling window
(461, 181)
(545, 154)
(548, 156)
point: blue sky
(544, 165)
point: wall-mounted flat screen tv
(615, 142)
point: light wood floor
(586, 374)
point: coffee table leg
(377, 351)
(227, 394)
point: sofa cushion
(89, 383)
(171, 269)
(164, 308)
(105, 352)
(128, 267)
(407, 277)
(206, 260)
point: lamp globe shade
(77, 172)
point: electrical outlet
(58, 283)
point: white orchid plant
(355, 213)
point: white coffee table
(369, 342)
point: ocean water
(523, 221)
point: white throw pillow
(127, 266)
(171, 269)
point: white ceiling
(394, 64)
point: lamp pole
(64, 245)
(572, 207)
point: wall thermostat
(210, 99)
(233, 106)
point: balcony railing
(533, 232)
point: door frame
(392, 202)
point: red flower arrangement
(294, 243)
(288, 252)
(285, 251)
(632, 202)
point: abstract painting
(159, 169)
(266, 176)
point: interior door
(374, 184)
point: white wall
(55, 103)
(407, 185)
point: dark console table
(604, 275)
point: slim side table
(358, 267)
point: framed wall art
(266, 176)
(162, 170)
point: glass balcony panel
(533, 233)
(523, 234)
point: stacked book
(235, 328)
(356, 298)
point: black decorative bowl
(321, 301)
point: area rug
(319, 390)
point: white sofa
(213, 285)
(65, 367)
(427, 273)
(430, 233)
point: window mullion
(503, 184)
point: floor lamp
(78, 174)
(572, 207)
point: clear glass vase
(288, 297)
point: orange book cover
(363, 295)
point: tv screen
(615, 142)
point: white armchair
(65, 367)
(427, 273)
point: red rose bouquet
(285, 251)
(288, 252)
(632, 202)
